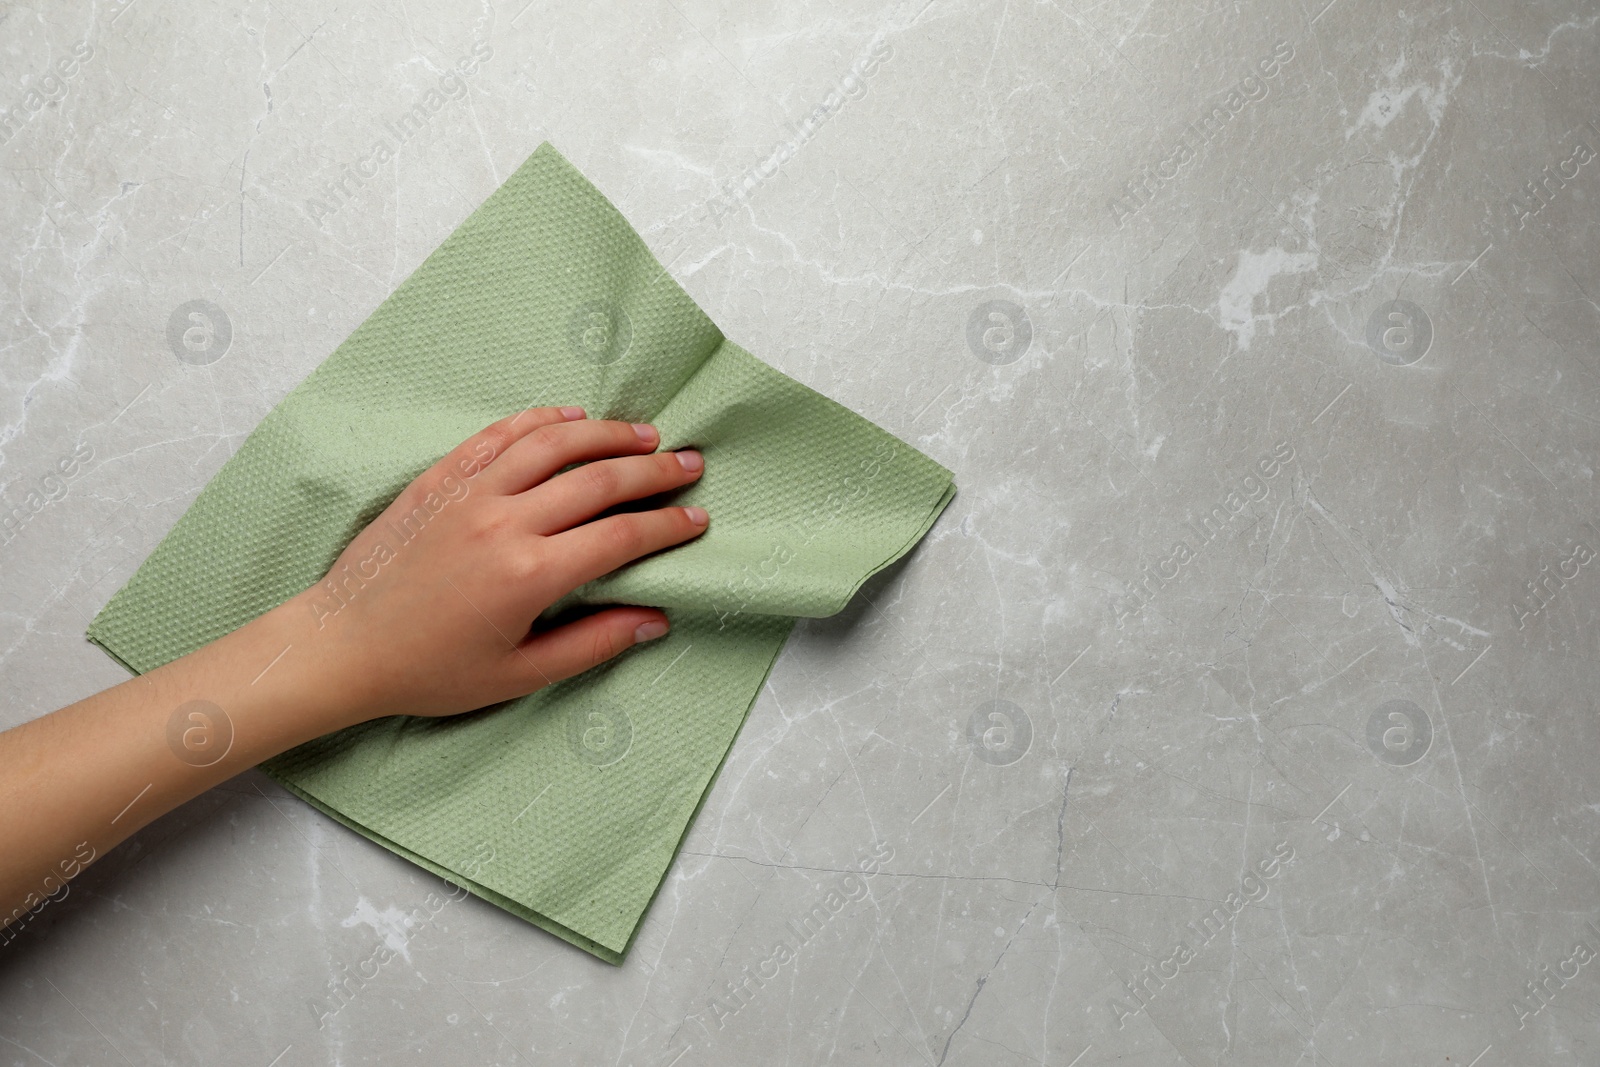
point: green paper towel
(565, 807)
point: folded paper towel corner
(566, 807)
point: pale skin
(442, 628)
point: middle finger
(579, 495)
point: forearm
(80, 780)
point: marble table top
(1240, 709)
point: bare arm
(427, 612)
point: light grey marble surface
(1223, 503)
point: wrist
(274, 683)
(311, 671)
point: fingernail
(649, 631)
(691, 460)
(647, 433)
(571, 413)
(697, 516)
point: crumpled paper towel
(582, 792)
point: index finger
(481, 449)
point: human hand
(429, 610)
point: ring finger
(579, 495)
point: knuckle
(603, 647)
(627, 534)
(476, 452)
(601, 479)
(492, 441)
(550, 443)
(539, 438)
(498, 436)
(522, 568)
